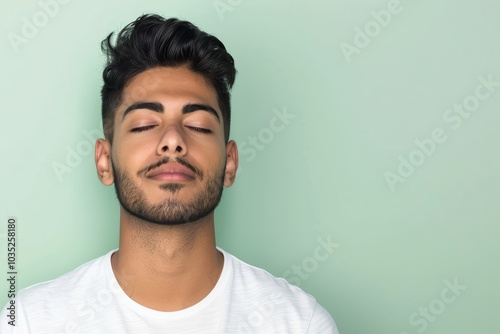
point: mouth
(171, 172)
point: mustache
(142, 172)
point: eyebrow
(158, 107)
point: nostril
(179, 149)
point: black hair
(153, 41)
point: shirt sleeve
(322, 322)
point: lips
(171, 171)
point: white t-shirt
(245, 299)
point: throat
(168, 283)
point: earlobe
(103, 161)
(231, 163)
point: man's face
(169, 153)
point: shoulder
(256, 280)
(53, 303)
(269, 295)
(58, 293)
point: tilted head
(166, 116)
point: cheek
(220, 161)
(209, 157)
(128, 158)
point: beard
(170, 211)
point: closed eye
(142, 128)
(197, 129)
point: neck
(167, 268)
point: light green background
(322, 176)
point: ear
(231, 163)
(103, 161)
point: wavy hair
(153, 41)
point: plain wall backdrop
(368, 137)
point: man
(166, 116)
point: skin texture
(168, 174)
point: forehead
(169, 84)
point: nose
(172, 142)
